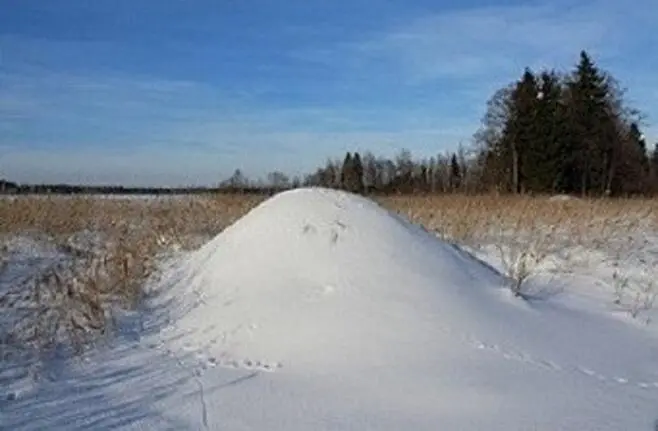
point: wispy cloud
(474, 42)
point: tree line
(546, 133)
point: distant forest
(546, 133)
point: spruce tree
(592, 129)
(455, 173)
(548, 152)
(346, 171)
(356, 180)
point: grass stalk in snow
(636, 296)
(620, 283)
(644, 299)
(522, 257)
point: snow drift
(320, 278)
(361, 314)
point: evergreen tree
(523, 132)
(455, 173)
(346, 171)
(424, 177)
(370, 172)
(592, 129)
(356, 179)
(329, 176)
(511, 135)
(548, 151)
(352, 173)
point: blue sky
(182, 92)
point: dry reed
(74, 296)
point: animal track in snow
(333, 231)
(232, 363)
(586, 371)
(526, 358)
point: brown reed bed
(73, 296)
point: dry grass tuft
(70, 301)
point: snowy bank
(321, 310)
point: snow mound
(366, 321)
(316, 277)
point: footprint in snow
(247, 364)
(309, 228)
(586, 371)
(525, 358)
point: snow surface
(320, 310)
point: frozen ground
(320, 310)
